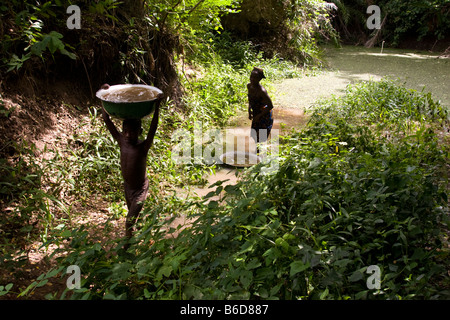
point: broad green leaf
(246, 278)
(40, 46)
(324, 294)
(298, 266)
(164, 271)
(356, 276)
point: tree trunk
(371, 42)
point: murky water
(130, 94)
(415, 70)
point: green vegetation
(364, 183)
(224, 71)
(289, 29)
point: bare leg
(255, 135)
(133, 214)
(135, 202)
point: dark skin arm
(250, 111)
(109, 124)
(153, 126)
(111, 127)
(267, 101)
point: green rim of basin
(128, 110)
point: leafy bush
(289, 29)
(345, 198)
(26, 36)
(421, 18)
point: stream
(414, 69)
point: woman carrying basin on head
(260, 107)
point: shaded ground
(39, 117)
(417, 70)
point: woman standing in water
(259, 107)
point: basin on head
(129, 101)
